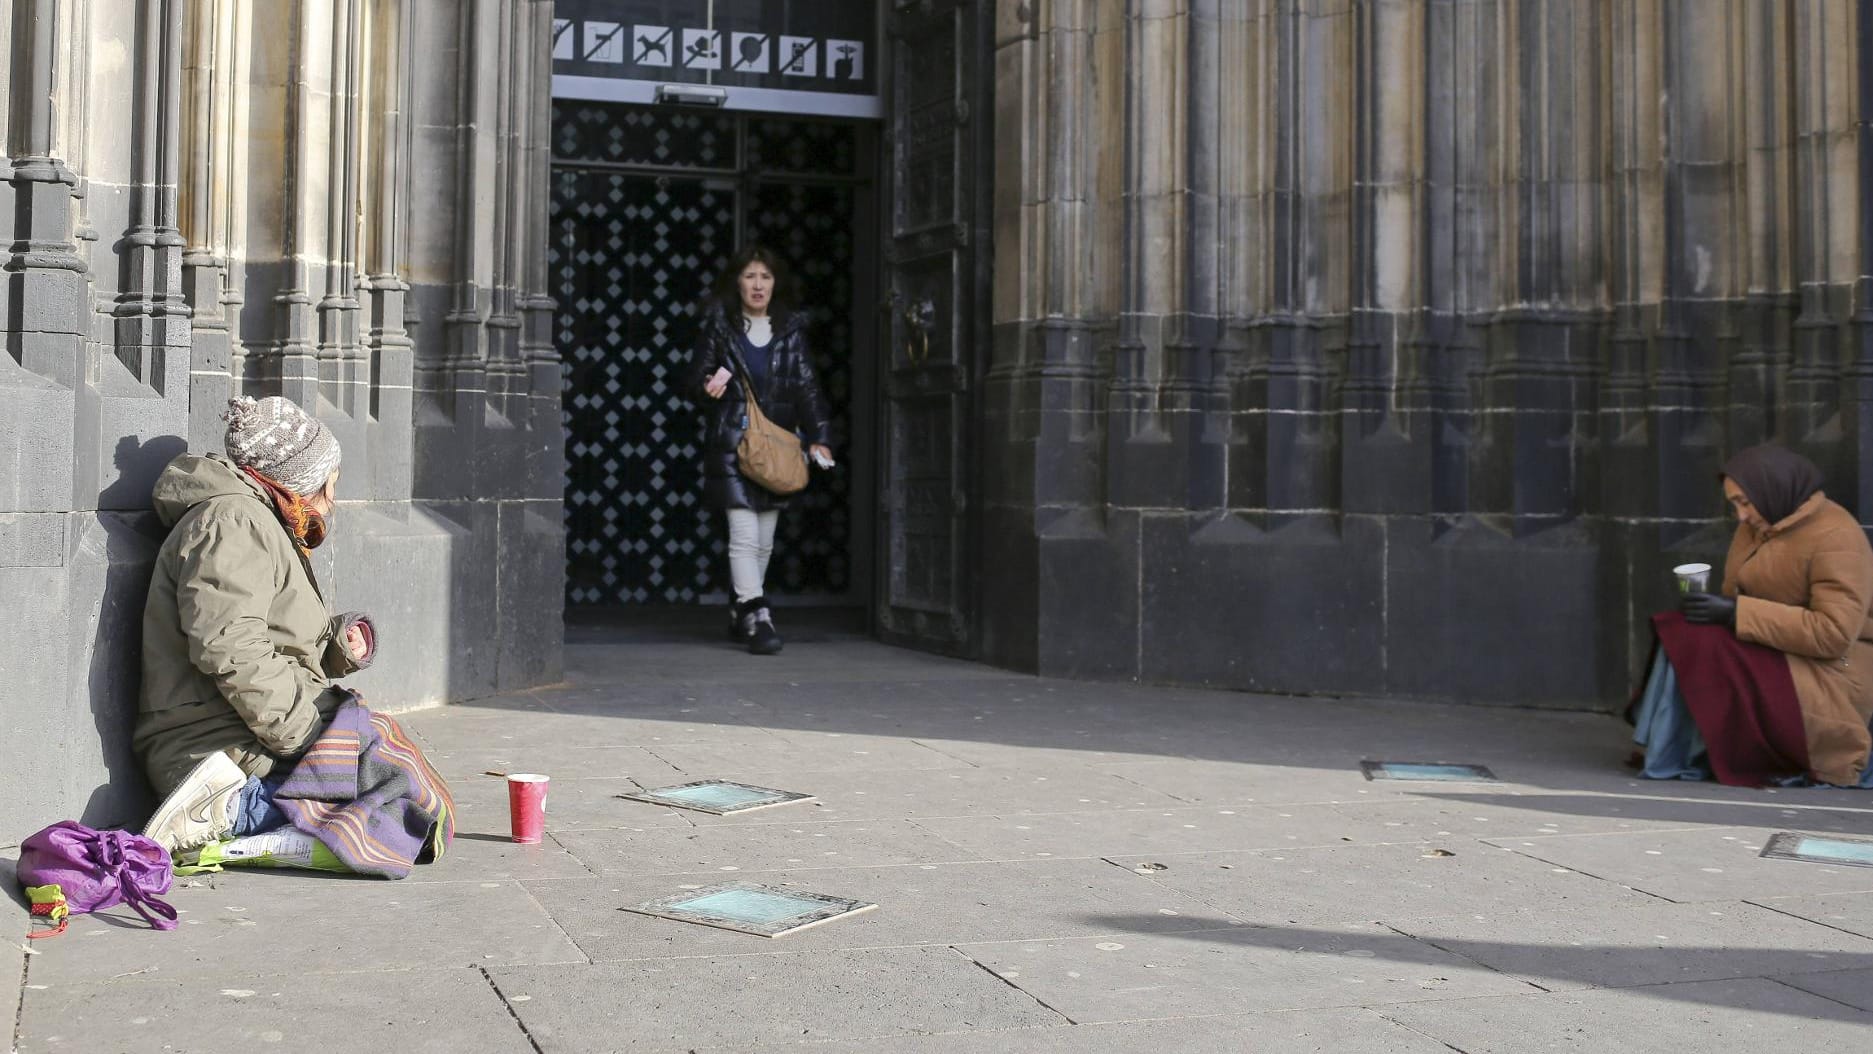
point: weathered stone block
(531, 591)
(1474, 614)
(112, 557)
(1299, 608)
(36, 445)
(419, 575)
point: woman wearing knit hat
(239, 649)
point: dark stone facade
(364, 234)
(1392, 347)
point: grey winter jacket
(238, 646)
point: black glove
(1708, 608)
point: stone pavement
(1000, 823)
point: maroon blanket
(1742, 698)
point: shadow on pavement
(1563, 968)
(686, 673)
(1845, 814)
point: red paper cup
(526, 806)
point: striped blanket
(365, 790)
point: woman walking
(751, 336)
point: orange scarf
(302, 521)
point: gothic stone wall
(340, 201)
(1392, 346)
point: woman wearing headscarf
(1770, 680)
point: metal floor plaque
(746, 907)
(1816, 849)
(720, 797)
(1415, 770)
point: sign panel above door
(784, 56)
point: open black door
(936, 257)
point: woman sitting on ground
(1770, 681)
(239, 649)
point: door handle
(919, 319)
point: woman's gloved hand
(1709, 609)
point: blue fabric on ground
(1674, 750)
(1866, 781)
(257, 812)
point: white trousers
(750, 544)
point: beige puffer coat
(1805, 588)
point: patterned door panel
(637, 240)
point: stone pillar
(209, 79)
(383, 291)
(1494, 288)
(340, 350)
(1384, 467)
(1145, 469)
(46, 278)
(1827, 185)
(1854, 485)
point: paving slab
(482, 807)
(1145, 975)
(1852, 912)
(488, 856)
(1653, 942)
(1852, 987)
(273, 923)
(1235, 783)
(1537, 812)
(1006, 814)
(13, 955)
(413, 1010)
(1659, 1019)
(1027, 738)
(531, 729)
(866, 794)
(740, 1002)
(462, 767)
(1690, 866)
(1335, 1031)
(670, 702)
(725, 663)
(778, 846)
(920, 904)
(804, 753)
(1166, 832)
(1361, 883)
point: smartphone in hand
(718, 382)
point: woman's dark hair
(728, 285)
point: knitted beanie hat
(277, 439)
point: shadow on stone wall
(122, 546)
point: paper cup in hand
(526, 806)
(1693, 578)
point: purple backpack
(100, 869)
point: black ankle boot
(763, 638)
(738, 626)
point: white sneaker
(202, 808)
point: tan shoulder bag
(768, 454)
